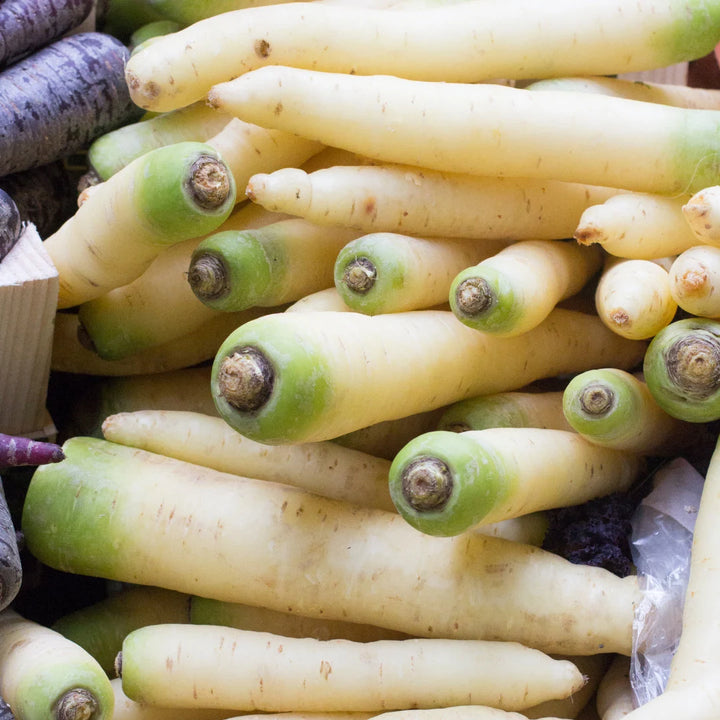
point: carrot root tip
(427, 484)
(245, 379)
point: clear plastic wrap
(661, 542)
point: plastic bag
(661, 542)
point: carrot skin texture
(25, 26)
(10, 223)
(16, 450)
(10, 565)
(5, 711)
(302, 553)
(45, 195)
(60, 98)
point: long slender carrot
(444, 483)
(180, 526)
(419, 201)
(325, 468)
(491, 37)
(69, 355)
(350, 370)
(647, 91)
(206, 671)
(515, 289)
(484, 129)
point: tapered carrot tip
(76, 704)
(246, 379)
(16, 450)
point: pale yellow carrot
(215, 666)
(633, 297)
(637, 225)
(420, 201)
(694, 280)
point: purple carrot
(45, 196)
(16, 450)
(26, 25)
(11, 571)
(58, 99)
(5, 712)
(10, 223)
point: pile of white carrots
(370, 289)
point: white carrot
(484, 129)
(127, 709)
(350, 370)
(615, 694)
(702, 213)
(694, 280)
(325, 468)
(206, 611)
(390, 272)
(495, 39)
(215, 666)
(637, 225)
(220, 536)
(634, 297)
(647, 91)
(420, 201)
(515, 289)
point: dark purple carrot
(46, 196)
(10, 564)
(27, 25)
(16, 450)
(5, 712)
(10, 223)
(55, 101)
